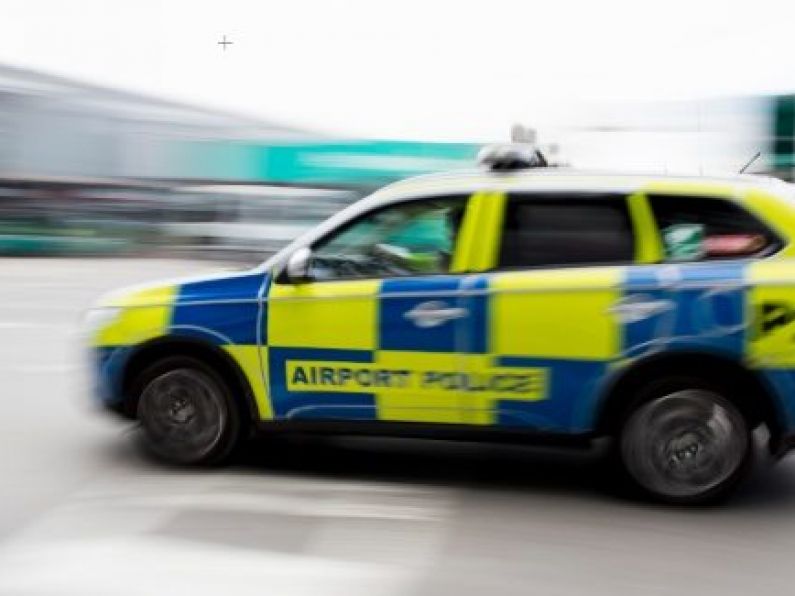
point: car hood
(210, 287)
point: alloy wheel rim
(183, 414)
(684, 444)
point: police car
(516, 302)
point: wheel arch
(220, 361)
(749, 390)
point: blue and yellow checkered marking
(458, 372)
(320, 402)
(398, 296)
(573, 386)
(706, 309)
(557, 320)
(537, 348)
(226, 307)
(222, 311)
(771, 330)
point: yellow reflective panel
(427, 395)
(146, 314)
(468, 234)
(478, 240)
(334, 314)
(694, 188)
(423, 386)
(489, 232)
(523, 384)
(648, 246)
(557, 313)
(778, 213)
(252, 362)
(452, 388)
(771, 313)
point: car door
(697, 298)
(558, 271)
(376, 333)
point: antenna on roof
(750, 161)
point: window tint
(714, 229)
(413, 238)
(566, 230)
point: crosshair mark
(225, 42)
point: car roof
(565, 179)
(552, 179)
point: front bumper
(108, 368)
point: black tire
(684, 441)
(187, 413)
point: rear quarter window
(724, 229)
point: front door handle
(434, 313)
(639, 307)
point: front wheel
(187, 413)
(686, 444)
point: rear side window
(703, 228)
(565, 230)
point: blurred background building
(86, 169)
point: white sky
(428, 69)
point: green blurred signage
(784, 132)
(340, 162)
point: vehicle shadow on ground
(485, 467)
(422, 461)
(543, 472)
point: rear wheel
(685, 443)
(187, 412)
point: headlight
(97, 319)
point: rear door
(711, 246)
(557, 276)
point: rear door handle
(639, 307)
(434, 313)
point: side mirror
(299, 265)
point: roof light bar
(508, 157)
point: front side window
(702, 228)
(412, 238)
(564, 230)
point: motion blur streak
(109, 188)
(93, 170)
(89, 170)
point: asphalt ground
(83, 511)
